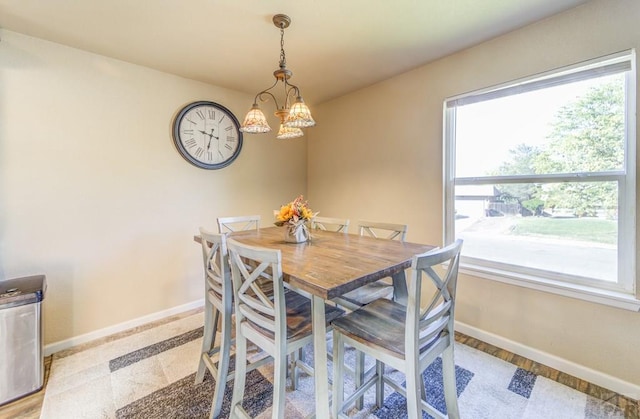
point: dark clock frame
(180, 147)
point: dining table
(328, 266)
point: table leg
(320, 357)
(400, 293)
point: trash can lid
(20, 291)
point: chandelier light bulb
(255, 122)
(288, 133)
(299, 115)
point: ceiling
(333, 47)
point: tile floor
(68, 383)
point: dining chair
(339, 225)
(365, 294)
(408, 338)
(379, 289)
(218, 311)
(279, 326)
(239, 223)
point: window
(540, 177)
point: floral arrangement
(295, 213)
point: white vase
(296, 234)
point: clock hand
(210, 136)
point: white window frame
(626, 293)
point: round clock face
(207, 135)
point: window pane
(571, 128)
(569, 228)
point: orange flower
(294, 212)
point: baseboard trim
(601, 379)
(130, 324)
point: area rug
(150, 374)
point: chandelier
(293, 116)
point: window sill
(581, 292)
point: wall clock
(207, 135)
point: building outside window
(540, 177)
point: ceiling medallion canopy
(293, 115)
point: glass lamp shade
(255, 122)
(299, 115)
(287, 133)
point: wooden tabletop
(332, 264)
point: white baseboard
(121, 327)
(580, 371)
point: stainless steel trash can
(21, 355)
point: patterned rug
(150, 374)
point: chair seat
(369, 293)
(299, 316)
(380, 323)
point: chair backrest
(430, 321)
(339, 225)
(217, 272)
(241, 223)
(383, 230)
(249, 266)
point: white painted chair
(218, 311)
(372, 291)
(241, 223)
(407, 338)
(339, 225)
(279, 326)
(379, 289)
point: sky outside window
(486, 131)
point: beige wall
(94, 195)
(377, 154)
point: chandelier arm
(289, 87)
(267, 92)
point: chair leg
(379, 384)
(449, 381)
(241, 372)
(293, 370)
(279, 384)
(414, 406)
(338, 378)
(223, 368)
(358, 377)
(211, 315)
